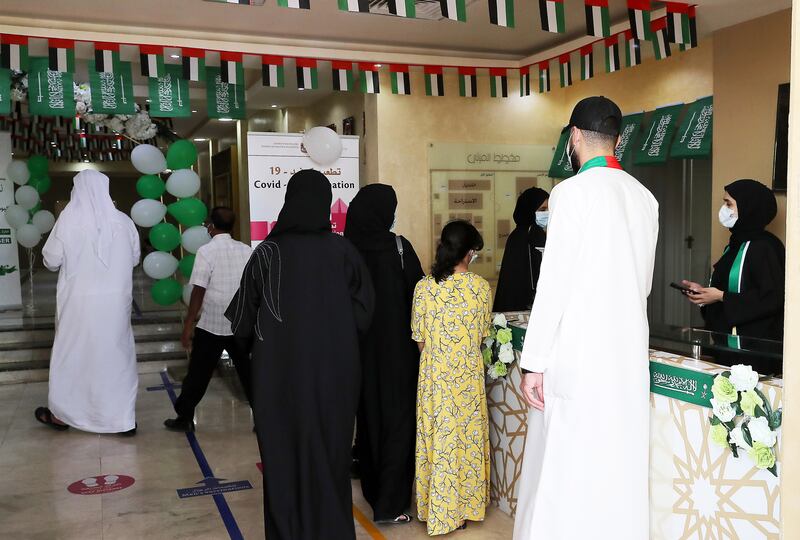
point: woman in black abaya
(305, 296)
(519, 272)
(746, 294)
(389, 357)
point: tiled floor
(37, 464)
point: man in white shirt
(217, 271)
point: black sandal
(402, 519)
(44, 416)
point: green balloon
(189, 212)
(150, 186)
(41, 183)
(181, 154)
(35, 209)
(166, 291)
(165, 237)
(186, 264)
(38, 165)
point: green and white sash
(735, 286)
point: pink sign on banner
(98, 485)
(272, 159)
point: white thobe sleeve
(53, 252)
(136, 245)
(565, 235)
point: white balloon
(148, 159)
(187, 293)
(323, 145)
(44, 221)
(27, 197)
(18, 172)
(147, 212)
(160, 265)
(183, 183)
(195, 237)
(16, 216)
(28, 235)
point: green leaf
(774, 470)
(759, 412)
(776, 419)
(747, 437)
(715, 421)
(767, 406)
(734, 450)
(726, 374)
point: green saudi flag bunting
(501, 13)
(50, 93)
(224, 100)
(14, 52)
(112, 93)
(598, 21)
(560, 166)
(455, 10)
(169, 94)
(693, 138)
(628, 132)
(653, 145)
(5, 92)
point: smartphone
(682, 288)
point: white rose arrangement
(497, 350)
(137, 126)
(743, 419)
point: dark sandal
(402, 519)
(44, 416)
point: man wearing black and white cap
(585, 473)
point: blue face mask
(543, 218)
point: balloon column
(26, 217)
(150, 212)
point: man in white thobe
(93, 375)
(585, 472)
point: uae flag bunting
(14, 52)
(467, 82)
(307, 77)
(370, 78)
(544, 77)
(678, 22)
(194, 64)
(552, 15)
(403, 8)
(401, 79)
(612, 54)
(355, 6)
(587, 62)
(598, 20)
(434, 81)
(455, 10)
(231, 70)
(660, 40)
(61, 55)
(691, 43)
(240, 2)
(501, 13)
(272, 73)
(639, 14)
(525, 81)
(106, 57)
(295, 4)
(565, 70)
(633, 52)
(498, 81)
(151, 59)
(342, 74)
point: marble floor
(37, 465)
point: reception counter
(697, 488)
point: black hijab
(370, 218)
(307, 206)
(527, 204)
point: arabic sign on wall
(272, 160)
(488, 157)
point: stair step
(37, 339)
(13, 357)
(38, 373)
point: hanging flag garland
(194, 64)
(403, 8)
(587, 62)
(544, 77)
(612, 54)
(295, 4)
(598, 20)
(565, 70)
(272, 71)
(342, 75)
(467, 82)
(639, 14)
(660, 40)
(692, 41)
(14, 52)
(552, 15)
(501, 13)
(231, 68)
(401, 79)
(151, 59)
(455, 10)
(370, 78)
(61, 55)
(434, 81)
(106, 57)
(354, 6)
(498, 79)
(678, 22)
(633, 52)
(307, 78)
(525, 81)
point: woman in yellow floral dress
(451, 317)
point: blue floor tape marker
(222, 505)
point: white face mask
(543, 218)
(474, 257)
(394, 221)
(727, 217)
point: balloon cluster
(323, 145)
(150, 212)
(26, 217)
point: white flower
(17, 94)
(737, 438)
(506, 354)
(500, 320)
(760, 432)
(724, 411)
(488, 342)
(80, 107)
(114, 124)
(743, 377)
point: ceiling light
(200, 139)
(147, 100)
(226, 119)
(274, 106)
(174, 56)
(300, 89)
(194, 111)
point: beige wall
(750, 61)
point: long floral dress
(452, 454)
